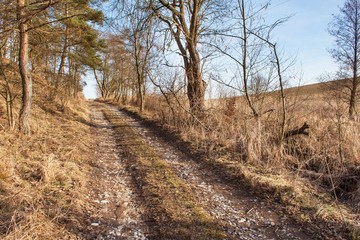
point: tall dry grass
(331, 148)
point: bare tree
(8, 92)
(103, 79)
(184, 20)
(345, 27)
(141, 40)
(121, 68)
(256, 55)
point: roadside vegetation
(43, 176)
(45, 47)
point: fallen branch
(297, 131)
(327, 176)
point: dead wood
(297, 131)
(326, 176)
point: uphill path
(144, 187)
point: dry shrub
(331, 148)
(223, 128)
(167, 110)
(328, 157)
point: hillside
(43, 176)
(314, 173)
(318, 88)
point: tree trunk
(101, 84)
(192, 64)
(353, 99)
(186, 34)
(76, 81)
(104, 91)
(9, 108)
(196, 85)
(3, 49)
(139, 74)
(64, 51)
(24, 117)
(355, 81)
(245, 68)
(195, 88)
(141, 97)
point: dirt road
(143, 187)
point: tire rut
(115, 211)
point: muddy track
(115, 209)
(127, 205)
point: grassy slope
(43, 176)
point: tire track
(242, 215)
(115, 211)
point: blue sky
(304, 36)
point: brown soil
(115, 211)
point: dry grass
(43, 176)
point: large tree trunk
(24, 117)
(195, 87)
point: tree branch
(301, 130)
